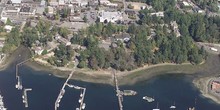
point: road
(208, 46)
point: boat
(83, 106)
(129, 92)
(77, 108)
(193, 108)
(148, 99)
(156, 108)
(80, 100)
(173, 106)
(2, 103)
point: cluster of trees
(63, 54)
(212, 5)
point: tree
(85, 19)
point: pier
(62, 91)
(19, 81)
(24, 96)
(118, 92)
(82, 104)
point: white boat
(148, 99)
(2, 103)
(83, 106)
(156, 108)
(172, 106)
(80, 100)
(77, 108)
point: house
(63, 40)
(10, 10)
(8, 28)
(124, 37)
(61, 2)
(50, 10)
(110, 16)
(215, 85)
(75, 19)
(80, 2)
(42, 3)
(104, 2)
(158, 14)
(2, 43)
(175, 28)
(4, 19)
(16, 1)
(38, 50)
(26, 10)
(93, 3)
(53, 3)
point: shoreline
(202, 84)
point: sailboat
(157, 107)
(173, 106)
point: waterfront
(165, 89)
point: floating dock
(82, 104)
(62, 91)
(24, 96)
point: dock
(24, 96)
(118, 92)
(19, 81)
(82, 104)
(62, 91)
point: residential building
(8, 28)
(50, 10)
(80, 2)
(175, 28)
(16, 1)
(26, 10)
(63, 40)
(158, 14)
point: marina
(118, 92)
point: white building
(15, 1)
(4, 19)
(8, 28)
(80, 2)
(61, 2)
(50, 10)
(110, 16)
(53, 3)
(158, 14)
(104, 2)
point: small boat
(83, 106)
(148, 99)
(81, 95)
(193, 108)
(157, 107)
(77, 108)
(80, 100)
(173, 106)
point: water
(166, 89)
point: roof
(16, 1)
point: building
(175, 28)
(50, 10)
(4, 19)
(123, 37)
(63, 40)
(53, 3)
(38, 50)
(104, 2)
(8, 28)
(61, 2)
(80, 2)
(110, 16)
(10, 11)
(43, 3)
(26, 10)
(158, 14)
(75, 19)
(215, 85)
(16, 1)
